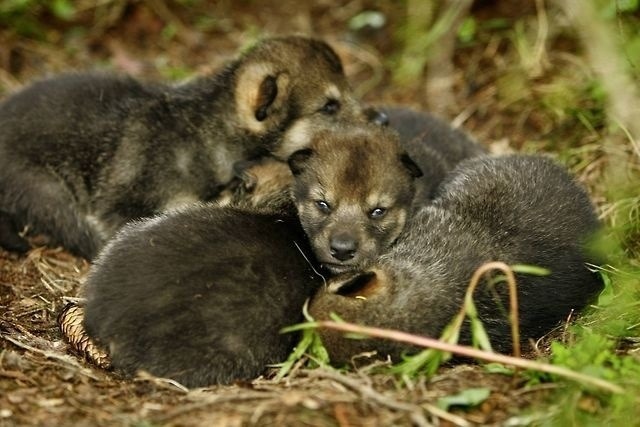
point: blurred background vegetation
(560, 77)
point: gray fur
(351, 175)
(516, 209)
(199, 295)
(433, 144)
(81, 154)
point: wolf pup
(516, 209)
(200, 294)
(353, 189)
(81, 154)
(354, 184)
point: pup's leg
(42, 202)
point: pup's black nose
(343, 247)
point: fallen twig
(66, 360)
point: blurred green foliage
(31, 18)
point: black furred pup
(200, 294)
(432, 143)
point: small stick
(64, 359)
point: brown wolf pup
(81, 154)
(353, 189)
(348, 169)
(516, 209)
(260, 184)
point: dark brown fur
(350, 165)
(353, 188)
(199, 295)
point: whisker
(310, 264)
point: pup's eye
(377, 213)
(331, 107)
(323, 206)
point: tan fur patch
(297, 137)
(333, 92)
(183, 161)
(247, 94)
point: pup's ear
(298, 160)
(353, 284)
(260, 94)
(414, 170)
(267, 93)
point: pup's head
(353, 189)
(289, 82)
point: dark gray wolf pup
(516, 209)
(200, 294)
(432, 143)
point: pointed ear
(260, 94)
(411, 166)
(298, 160)
(350, 284)
(267, 94)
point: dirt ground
(43, 383)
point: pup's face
(290, 86)
(353, 190)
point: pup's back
(433, 144)
(515, 209)
(200, 295)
